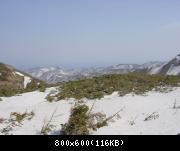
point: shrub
(81, 121)
(42, 89)
(8, 91)
(50, 98)
(20, 117)
(47, 126)
(97, 87)
(78, 121)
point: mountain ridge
(57, 74)
(60, 74)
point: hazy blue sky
(81, 33)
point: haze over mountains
(57, 74)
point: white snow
(173, 70)
(135, 109)
(27, 80)
(36, 102)
(20, 74)
(124, 66)
(177, 57)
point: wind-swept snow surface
(153, 113)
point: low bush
(8, 91)
(97, 87)
(50, 98)
(78, 121)
(19, 117)
(82, 121)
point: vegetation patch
(47, 126)
(97, 87)
(82, 120)
(78, 121)
(19, 117)
(35, 85)
(52, 96)
(8, 89)
(152, 116)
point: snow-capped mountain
(57, 74)
(170, 68)
(51, 74)
(122, 68)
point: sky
(84, 33)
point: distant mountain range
(57, 74)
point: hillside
(13, 81)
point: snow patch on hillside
(20, 74)
(27, 80)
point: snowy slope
(165, 119)
(170, 68)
